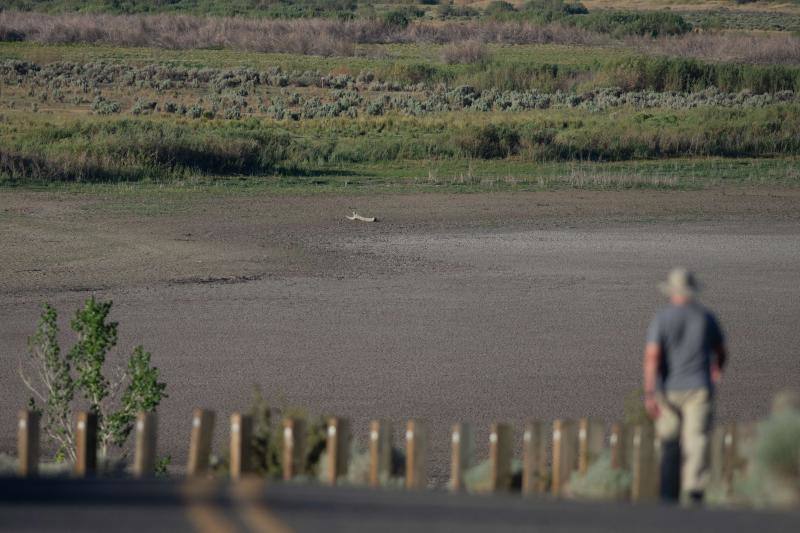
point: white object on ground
(356, 216)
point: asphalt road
(125, 506)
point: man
(683, 361)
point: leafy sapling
(55, 379)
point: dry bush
(465, 52)
(306, 36)
(774, 48)
(301, 36)
(502, 32)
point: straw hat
(680, 282)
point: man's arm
(652, 362)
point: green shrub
(499, 7)
(687, 75)
(490, 142)
(397, 19)
(778, 448)
(622, 23)
(60, 377)
(267, 438)
(101, 106)
(601, 481)
(546, 11)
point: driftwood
(356, 216)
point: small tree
(54, 380)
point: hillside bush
(490, 142)
(622, 23)
(469, 52)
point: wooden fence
(549, 456)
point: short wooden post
(28, 443)
(86, 444)
(746, 438)
(144, 462)
(731, 454)
(717, 452)
(416, 452)
(617, 442)
(644, 485)
(294, 447)
(590, 442)
(380, 452)
(534, 459)
(200, 444)
(564, 455)
(501, 449)
(337, 448)
(241, 445)
(461, 442)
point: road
(127, 506)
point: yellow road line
(249, 493)
(205, 515)
(206, 518)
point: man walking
(683, 360)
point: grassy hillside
(535, 94)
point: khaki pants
(687, 415)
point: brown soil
(474, 307)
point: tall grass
(469, 52)
(686, 75)
(113, 149)
(306, 36)
(771, 48)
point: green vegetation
(161, 149)
(55, 379)
(615, 23)
(267, 440)
(226, 8)
(535, 94)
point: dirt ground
(474, 307)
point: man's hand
(651, 405)
(718, 363)
(716, 374)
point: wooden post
(338, 448)
(86, 445)
(731, 454)
(241, 445)
(717, 452)
(501, 449)
(534, 459)
(564, 455)
(416, 452)
(28, 443)
(200, 444)
(617, 442)
(144, 462)
(380, 452)
(590, 442)
(644, 486)
(462, 448)
(746, 438)
(294, 447)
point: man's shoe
(696, 498)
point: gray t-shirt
(687, 335)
